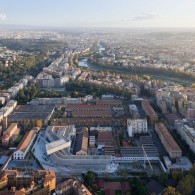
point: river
(83, 63)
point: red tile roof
(84, 107)
(26, 140)
(148, 108)
(162, 130)
(91, 113)
(105, 137)
(108, 102)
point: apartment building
(187, 131)
(10, 135)
(135, 126)
(36, 182)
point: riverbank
(85, 64)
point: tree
(186, 185)
(138, 187)
(90, 177)
(171, 191)
(177, 175)
(163, 178)
(145, 77)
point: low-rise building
(150, 113)
(105, 138)
(57, 145)
(10, 135)
(24, 145)
(72, 187)
(92, 114)
(36, 182)
(168, 142)
(82, 143)
(110, 102)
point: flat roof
(24, 112)
(137, 151)
(55, 144)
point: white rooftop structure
(56, 146)
(100, 128)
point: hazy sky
(99, 13)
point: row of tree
(80, 89)
(163, 72)
(186, 183)
(32, 92)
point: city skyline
(110, 13)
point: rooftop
(55, 144)
(148, 108)
(167, 136)
(91, 113)
(105, 136)
(11, 127)
(154, 187)
(24, 112)
(23, 145)
(87, 107)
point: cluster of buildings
(60, 102)
(10, 135)
(86, 111)
(114, 81)
(11, 93)
(24, 145)
(32, 115)
(60, 138)
(186, 128)
(177, 103)
(139, 125)
(35, 182)
(177, 99)
(95, 147)
(139, 51)
(6, 97)
(7, 56)
(7, 109)
(72, 187)
(58, 73)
